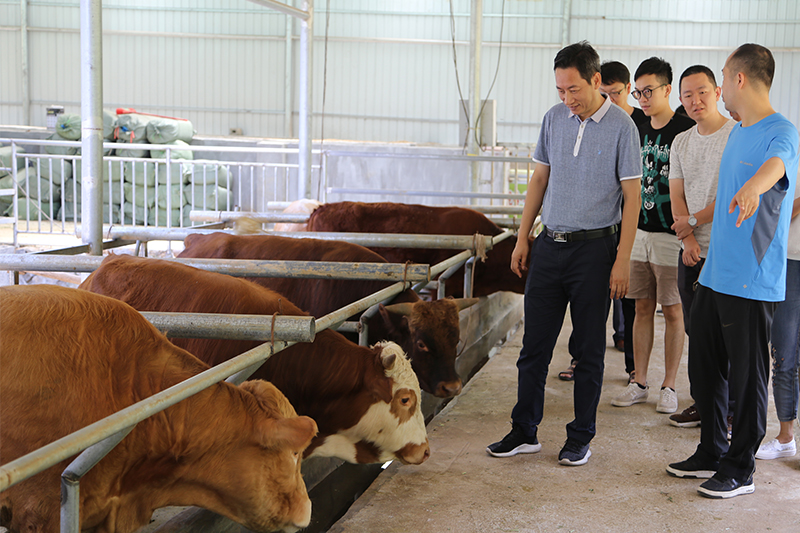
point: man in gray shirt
(696, 154)
(588, 160)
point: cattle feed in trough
(491, 276)
(427, 331)
(365, 405)
(70, 358)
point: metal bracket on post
(71, 478)
(363, 334)
(469, 269)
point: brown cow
(384, 217)
(70, 358)
(364, 400)
(427, 331)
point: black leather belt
(584, 235)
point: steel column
(304, 127)
(475, 42)
(26, 84)
(92, 125)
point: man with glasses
(654, 259)
(616, 85)
(587, 162)
(743, 279)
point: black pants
(729, 348)
(574, 273)
(687, 275)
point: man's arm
(749, 196)
(796, 207)
(680, 210)
(621, 271)
(533, 203)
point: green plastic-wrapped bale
(209, 198)
(205, 173)
(166, 130)
(61, 150)
(5, 159)
(68, 126)
(139, 195)
(175, 153)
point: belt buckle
(560, 236)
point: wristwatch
(692, 221)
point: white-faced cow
(427, 331)
(490, 276)
(70, 358)
(365, 400)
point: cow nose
(448, 389)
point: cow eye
(421, 345)
(405, 401)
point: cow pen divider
(99, 438)
(96, 440)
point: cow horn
(463, 303)
(403, 309)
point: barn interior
(432, 103)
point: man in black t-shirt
(654, 260)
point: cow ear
(388, 359)
(294, 433)
(396, 322)
(463, 303)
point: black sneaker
(574, 453)
(720, 486)
(513, 443)
(688, 418)
(693, 467)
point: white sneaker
(632, 394)
(668, 402)
(774, 449)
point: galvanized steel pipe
(378, 240)
(92, 124)
(234, 267)
(222, 216)
(238, 327)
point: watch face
(692, 220)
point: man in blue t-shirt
(587, 161)
(743, 279)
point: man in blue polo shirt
(743, 279)
(587, 161)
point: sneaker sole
(692, 424)
(721, 495)
(776, 455)
(666, 410)
(522, 448)
(692, 474)
(617, 403)
(580, 462)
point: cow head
(392, 428)
(263, 488)
(429, 332)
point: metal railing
(140, 191)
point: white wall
(390, 73)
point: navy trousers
(561, 273)
(729, 348)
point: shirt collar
(600, 113)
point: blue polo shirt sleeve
(629, 160)
(540, 155)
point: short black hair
(755, 61)
(698, 69)
(657, 66)
(615, 72)
(582, 57)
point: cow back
(318, 297)
(384, 217)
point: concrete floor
(624, 486)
